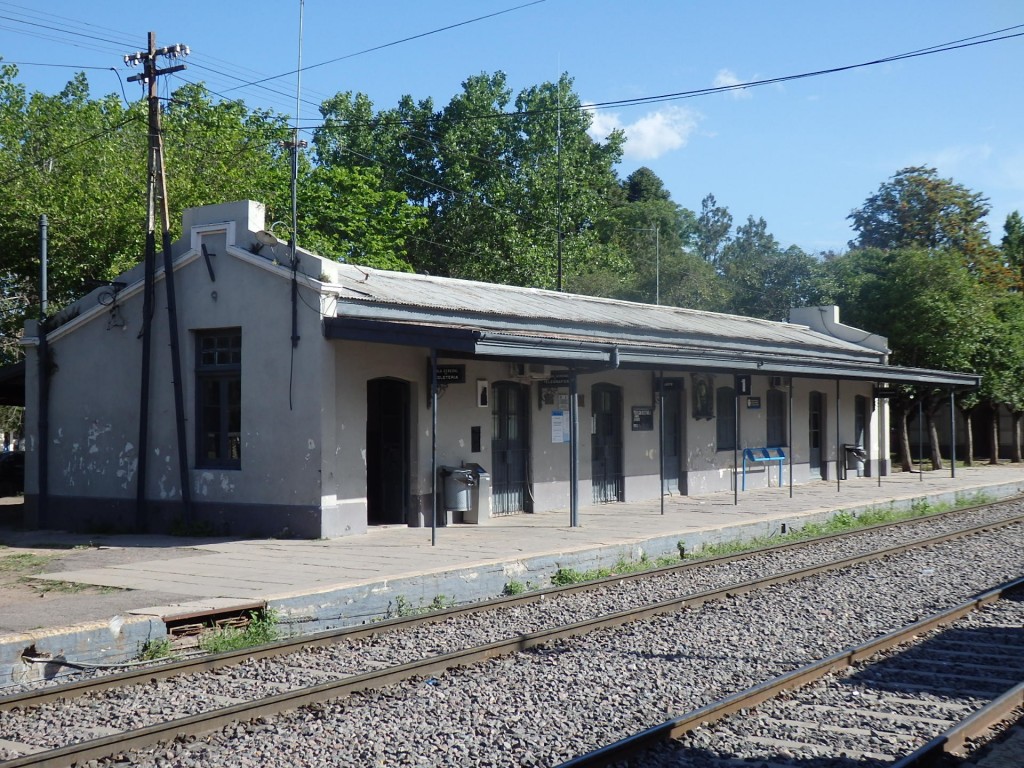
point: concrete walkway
(328, 583)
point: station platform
(114, 593)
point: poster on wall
(703, 396)
(643, 418)
(559, 427)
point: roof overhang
(591, 354)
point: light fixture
(267, 236)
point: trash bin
(457, 484)
(855, 458)
(479, 512)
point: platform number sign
(742, 384)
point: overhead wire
(974, 40)
(399, 42)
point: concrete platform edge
(122, 638)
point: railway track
(908, 699)
(241, 700)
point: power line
(399, 42)
(689, 94)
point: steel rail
(798, 678)
(973, 727)
(331, 637)
(211, 720)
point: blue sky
(802, 154)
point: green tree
(1000, 362)
(505, 183)
(929, 305)
(761, 278)
(714, 225)
(918, 209)
(347, 216)
(1013, 247)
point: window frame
(726, 417)
(220, 366)
(776, 427)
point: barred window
(776, 404)
(725, 408)
(219, 398)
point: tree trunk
(903, 437)
(994, 436)
(1016, 437)
(933, 438)
(968, 454)
(970, 439)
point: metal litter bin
(457, 485)
(479, 512)
(855, 458)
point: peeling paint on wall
(96, 430)
(203, 483)
(127, 465)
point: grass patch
(262, 629)
(403, 607)
(514, 588)
(43, 586)
(840, 523)
(23, 561)
(155, 650)
(565, 576)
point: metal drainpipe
(881, 435)
(735, 445)
(840, 454)
(179, 396)
(574, 436)
(661, 438)
(433, 445)
(790, 441)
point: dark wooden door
(672, 442)
(387, 451)
(816, 433)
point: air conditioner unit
(537, 372)
(531, 371)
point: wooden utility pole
(157, 195)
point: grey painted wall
(304, 408)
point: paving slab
(326, 583)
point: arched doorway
(606, 444)
(510, 448)
(387, 451)
(672, 436)
(816, 434)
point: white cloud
(651, 136)
(952, 161)
(726, 78)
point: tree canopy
(504, 186)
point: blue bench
(760, 456)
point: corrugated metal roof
(488, 306)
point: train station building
(311, 398)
